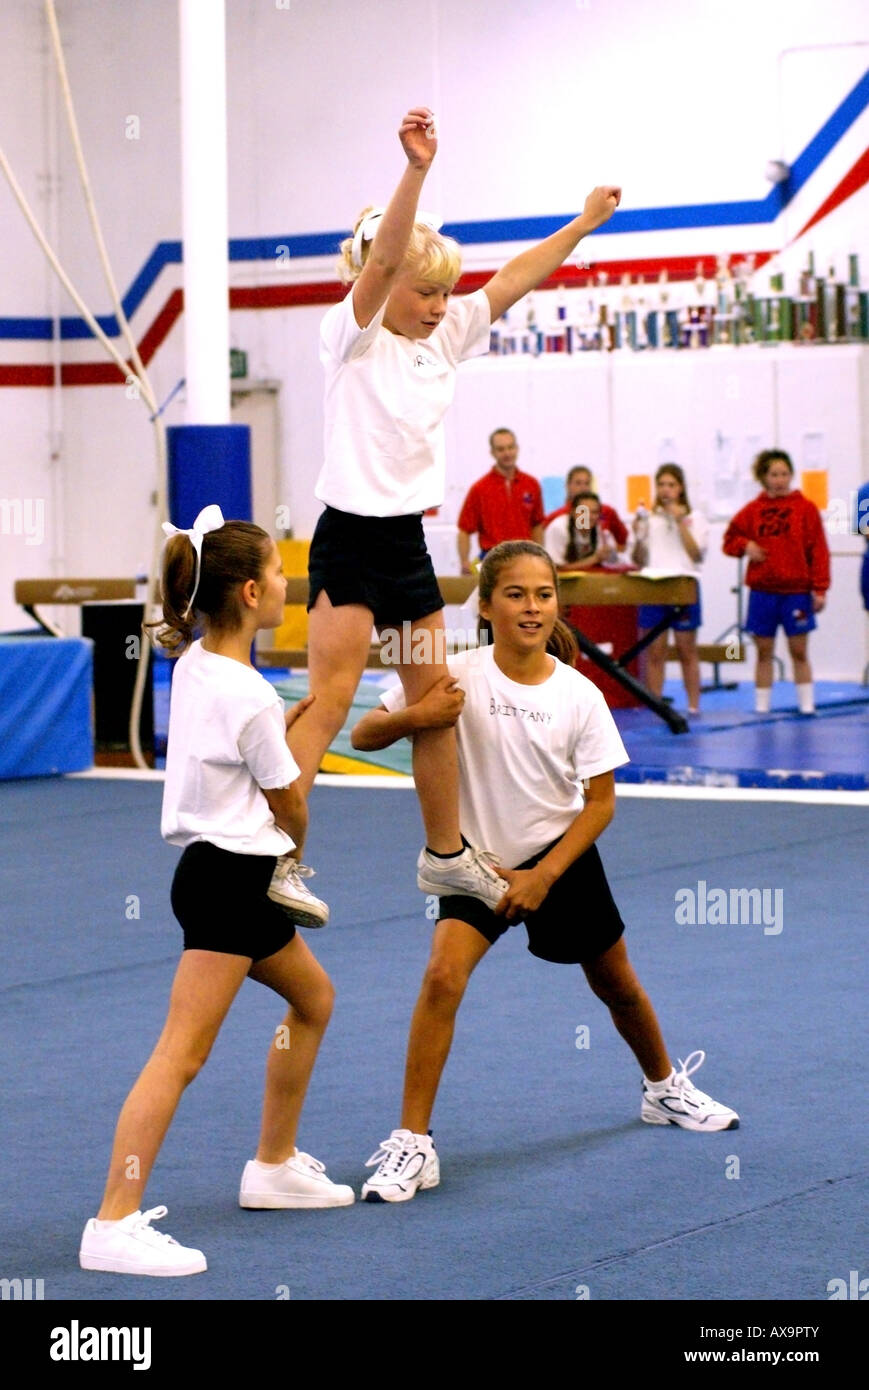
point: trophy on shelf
(775, 313)
(626, 319)
(503, 336)
(592, 332)
(822, 305)
(743, 306)
(722, 324)
(667, 319)
(641, 332)
(605, 330)
(856, 304)
(695, 319)
(837, 322)
(806, 305)
(555, 337)
(533, 334)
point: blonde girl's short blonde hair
(430, 256)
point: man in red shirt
(579, 480)
(505, 505)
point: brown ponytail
(238, 551)
(562, 643)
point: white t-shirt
(227, 740)
(385, 401)
(557, 536)
(524, 751)
(666, 551)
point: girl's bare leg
(654, 658)
(297, 976)
(686, 645)
(205, 984)
(798, 646)
(435, 759)
(613, 980)
(338, 644)
(457, 949)
(763, 669)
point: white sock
(104, 1225)
(657, 1087)
(762, 696)
(806, 698)
(267, 1167)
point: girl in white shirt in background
(232, 799)
(537, 748)
(390, 352)
(673, 538)
(577, 541)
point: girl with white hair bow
(232, 803)
(390, 351)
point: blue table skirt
(46, 687)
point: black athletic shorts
(576, 922)
(379, 561)
(220, 900)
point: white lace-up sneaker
(287, 889)
(682, 1104)
(471, 874)
(300, 1182)
(132, 1246)
(406, 1162)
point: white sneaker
(682, 1104)
(471, 875)
(287, 889)
(300, 1182)
(407, 1162)
(132, 1246)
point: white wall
(681, 102)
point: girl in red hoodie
(782, 534)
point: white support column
(205, 219)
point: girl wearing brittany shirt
(390, 352)
(232, 800)
(537, 748)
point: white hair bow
(369, 224)
(209, 519)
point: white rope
(61, 273)
(139, 684)
(142, 375)
(91, 206)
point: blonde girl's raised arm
(389, 247)
(528, 269)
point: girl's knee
(618, 994)
(617, 987)
(318, 1004)
(332, 702)
(444, 983)
(186, 1064)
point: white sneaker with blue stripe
(677, 1101)
(406, 1164)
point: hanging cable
(151, 399)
